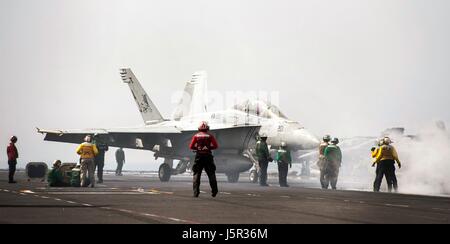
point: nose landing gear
(166, 171)
(254, 176)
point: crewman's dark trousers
(321, 164)
(119, 168)
(205, 162)
(323, 182)
(385, 168)
(100, 164)
(263, 164)
(282, 173)
(12, 169)
(330, 175)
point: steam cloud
(425, 161)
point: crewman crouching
(55, 177)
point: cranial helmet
(57, 163)
(203, 126)
(88, 138)
(13, 139)
(335, 141)
(387, 141)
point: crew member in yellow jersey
(87, 152)
(385, 161)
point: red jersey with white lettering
(203, 143)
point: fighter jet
(193, 106)
(278, 127)
(169, 139)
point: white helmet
(327, 138)
(335, 141)
(387, 141)
(88, 138)
(380, 142)
(283, 144)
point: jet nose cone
(306, 139)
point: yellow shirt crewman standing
(385, 161)
(87, 152)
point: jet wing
(120, 137)
(69, 136)
(173, 140)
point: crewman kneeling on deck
(284, 160)
(55, 177)
(385, 161)
(203, 143)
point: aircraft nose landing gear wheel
(253, 176)
(164, 172)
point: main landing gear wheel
(253, 176)
(233, 177)
(164, 172)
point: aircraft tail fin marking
(147, 108)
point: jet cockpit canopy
(260, 108)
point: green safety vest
(262, 150)
(55, 177)
(284, 155)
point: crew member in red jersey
(13, 155)
(203, 143)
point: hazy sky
(341, 67)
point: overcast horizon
(348, 68)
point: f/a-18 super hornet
(278, 127)
(274, 124)
(169, 139)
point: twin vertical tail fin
(148, 110)
(194, 99)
